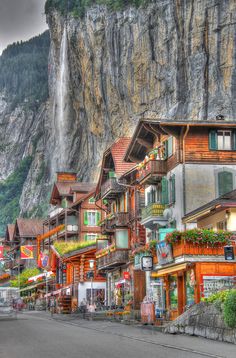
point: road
(36, 335)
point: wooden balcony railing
(120, 219)
(153, 172)
(155, 209)
(113, 259)
(110, 188)
(184, 248)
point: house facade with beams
(181, 166)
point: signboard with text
(147, 263)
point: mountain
(111, 62)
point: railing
(152, 170)
(184, 248)
(113, 259)
(153, 210)
(120, 219)
(111, 187)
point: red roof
(118, 150)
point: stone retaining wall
(203, 320)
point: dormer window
(222, 140)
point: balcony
(152, 215)
(184, 248)
(113, 259)
(153, 172)
(107, 226)
(120, 219)
(111, 188)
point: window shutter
(170, 146)
(173, 188)
(164, 187)
(165, 149)
(85, 218)
(112, 174)
(225, 182)
(85, 237)
(213, 140)
(98, 217)
(234, 140)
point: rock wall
(174, 59)
(203, 320)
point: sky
(20, 20)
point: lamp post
(91, 266)
(46, 276)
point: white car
(6, 310)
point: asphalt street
(36, 335)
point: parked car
(6, 310)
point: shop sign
(164, 253)
(147, 263)
(1, 252)
(43, 259)
(213, 284)
(229, 253)
(126, 275)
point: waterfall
(61, 105)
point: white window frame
(90, 212)
(223, 139)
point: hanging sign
(1, 252)
(147, 263)
(229, 253)
(43, 260)
(126, 275)
(27, 252)
(164, 253)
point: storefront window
(189, 290)
(173, 293)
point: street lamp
(46, 277)
(91, 266)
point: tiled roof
(118, 150)
(29, 227)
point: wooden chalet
(198, 158)
(121, 226)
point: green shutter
(98, 217)
(173, 188)
(164, 191)
(213, 140)
(85, 218)
(86, 237)
(170, 146)
(166, 149)
(234, 140)
(112, 174)
(225, 182)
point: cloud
(20, 20)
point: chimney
(66, 176)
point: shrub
(230, 309)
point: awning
(28, 288)
(169, 270)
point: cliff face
(175, 59)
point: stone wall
(204, 320)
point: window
(168, 148)
(90, 237)
(91, 201)
(225, 182)
(122, 239)
(91, 218)
(222, 140)
(222, 225)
